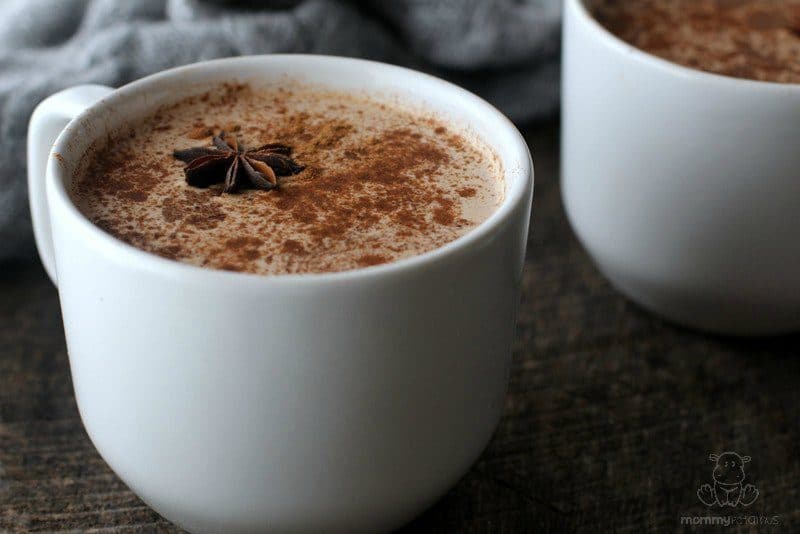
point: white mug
(232, 402)
(684, 186)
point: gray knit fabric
(505, 50)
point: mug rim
(616, 43)
(515, 190)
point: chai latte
(294, 180)
(753, 39)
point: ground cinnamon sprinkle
(200, 132)
(368, 260)
(379, 184)
(292, 246)
(370, 188)
(467, 192)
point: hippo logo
(728, 488)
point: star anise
(229, 162)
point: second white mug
(683, 186)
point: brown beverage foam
(382, 182)
(754, 39)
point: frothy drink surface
(755, 39)
(381, 182)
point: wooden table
(609, 422)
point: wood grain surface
(610, 417)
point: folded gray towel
(505, 50)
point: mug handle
(49, 118)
